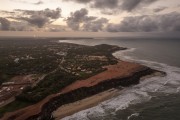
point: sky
(70, 17)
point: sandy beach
(80, 105)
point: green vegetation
(15, 105)
(52, 83)
(63, 63)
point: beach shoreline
(121, 74)
(89, 102)
(71, 108)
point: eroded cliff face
(83, 92)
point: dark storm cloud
(89, 23)
(39, 18)
(4, 23)
(167, 22)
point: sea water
(155, 98)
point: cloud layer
(4, 24)
(130, 5)
(103, 4)
(166, 22)
(123, 5)
(145, 19)
(76, 18)
(39, 18)
(79, 1)
(27, 2)
(89, 23)
(95, 25)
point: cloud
(39, 18)
(26, 2)
(3, 12)
(4, 24)
(39, 3)
(159, 9)
(112, 6)
(167, 22)
(95, 25)
(79, 20)
(102, 4)
(29, 20)
(76, 18)
(55, 28)
(79, 1)
(7, 25)
(54, 14)
(130, 5)
(21, 26)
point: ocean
(155, 98)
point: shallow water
(155, 98)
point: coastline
(155, 91)
(75, 107)
(123, 73)
(71, 108)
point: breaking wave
(143, 92)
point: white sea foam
(133, 115)
(148, 88)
